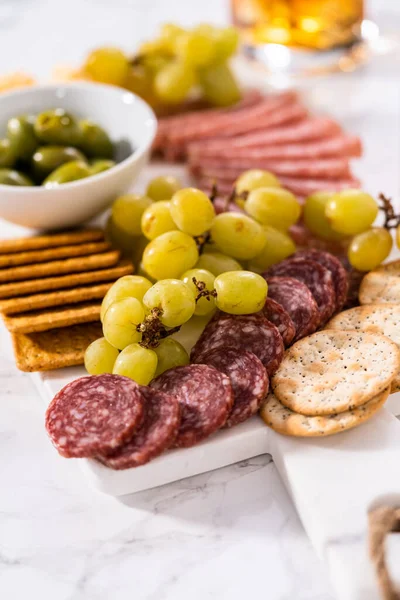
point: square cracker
(54, 349)
(14, 306)
(21, 288)
(39, 256)
(53, 318)
(37, 242)
(58, 267)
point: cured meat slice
(328, 168)
(227, 124)
(205, 396)
(94, 415)
(275, 313)
(253, 333)
(248, 378)
(298, 301)
(157, 433)
(312, 128)
(339, 274)
(339, 146)
(166, 124)
(316, 277)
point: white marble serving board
(332, 481)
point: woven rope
(383, 521)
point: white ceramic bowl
(128, 120)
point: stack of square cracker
(51, 288)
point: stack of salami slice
(275, 132)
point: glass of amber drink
(312, 29)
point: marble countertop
(231, 533)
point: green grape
(100, 357)
(279, 245)
(137, 363)
(195, 48)
(273, 206)
(107, 65)
(226, 42)
(192, 211)
(119, 238)
(170, 255)
(129, 286)
(240, 292)
(175, 300)
(163, 187)
(207, 304)
(370, 248)
(127, 212)
(217, 263)
(351, 211)
(315, 218)
(157, 220)
(170, 354)
(219, 86)
(173, 83)
(238, 235)
(169, 34)
(143, 273)
(254, 179)
(139, 245)
(120, 322)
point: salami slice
(94, 415)
(253, 333)
(157, 433)
(316, 277)
(339, 274)
(275, 313)
(298, 301)
(205, 396)
(248, 378)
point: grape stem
(153, 331)
(201, 241)
(391, 219)
(203, 291)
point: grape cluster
(348, 216)
(169, 68)
(192, 261)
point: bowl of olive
(66, 151)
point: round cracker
(375, 318)
(285, 421)
(382, 285)
(334, 371)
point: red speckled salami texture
(94, 415)
(157, 433)
(316, 277)
(332, 263)
(248, 377)
(274, 312)
(205, 396)
(253, 333)
(298, 301)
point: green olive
(95, 141)
(58, 127)
(48, 158)
(70, 171)
(20, 132)
(99, 165)
(10, 177)
(7, 155)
